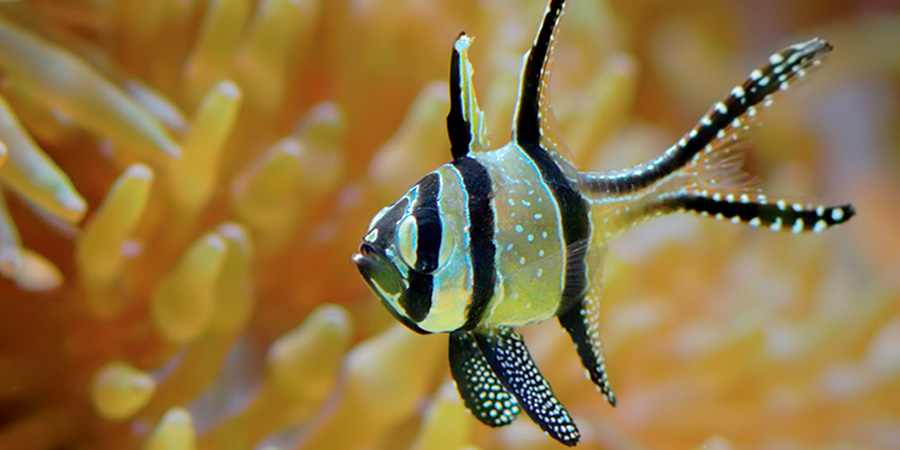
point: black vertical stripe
(574, 215)
(477, 183)
(572, 206)
(416, 299)
(459, 131)
(428, 223)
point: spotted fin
(747, 208)
(484, 395)
(757, 210)
(465, 123)
(583, 324)
(506, 354)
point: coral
(183, 184)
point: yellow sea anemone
(183, 183)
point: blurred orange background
(208, 301)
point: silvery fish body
(500, 238)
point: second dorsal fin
(532, 113)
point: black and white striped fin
(583, 324)
(724, 120)
(757, 210)
(465, 122)
(531, 113)
(506, 354)
(484, 395)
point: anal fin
(582, 321)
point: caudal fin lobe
(757, 210)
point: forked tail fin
(702, 174)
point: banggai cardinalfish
(503, 237)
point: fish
(500, 238)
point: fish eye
(424, 228)
(408, 240)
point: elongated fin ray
(484, 395)
(527, 124)
(465, 123)
(718, 166)
(505, 352)
(757, 210)
(725, 118)
(583, 324)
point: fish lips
(382, 277)
(376, 269)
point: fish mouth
(378, 272)
(384, 280)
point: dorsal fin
(530, 109)
(465, 123)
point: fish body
(503, 237)
(525, 262)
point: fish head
(413, 256)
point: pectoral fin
(484, 395)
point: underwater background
(207, 300)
